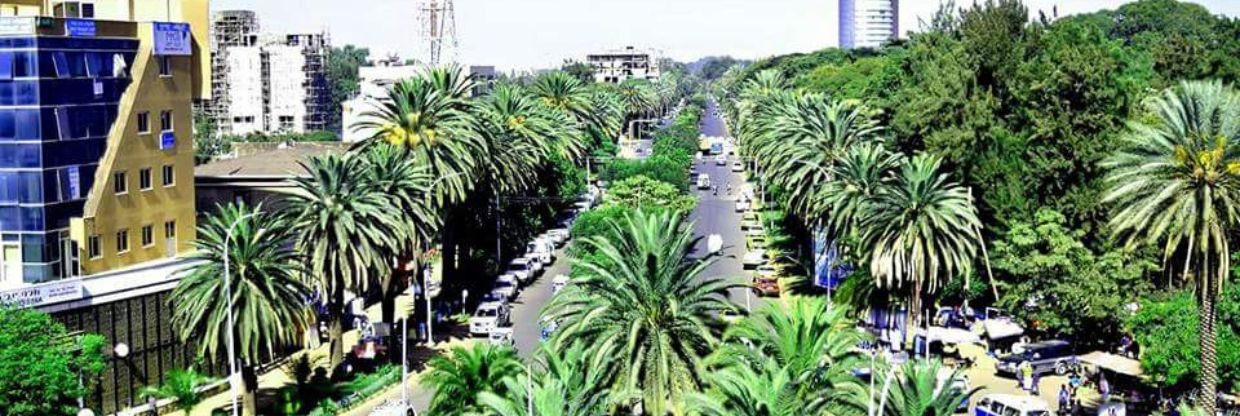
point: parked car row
(493, 318)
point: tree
(645, 303)
(579, 70)
(1169, 339)
(342, 78)
(267, 307)
(461, 376)
(571, 383)
(640, 192)
(344, 228)
(916, 390)
(180, 386)
(920, 231)
(42, 365)
(1176, 183)
(208, 143)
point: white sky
(524, 34)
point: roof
(1114, 363)
(269, 161)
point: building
(616, 66)
(97, 171)
(267, 83)
(259, 173)
(378, 77)
(484, 77)
(868, 23)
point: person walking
(1064, 399)
(1026, 371)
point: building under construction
(266, 83)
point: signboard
(173, 39)
(98, 87)
(80, 27)
(167, 140)
(75, 182)
(43, 294)
(11, 25)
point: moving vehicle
(521, 269)
(1045, 357)
(716, 147)
(558, 283)
(721, 160)
(703, 181)
(488, 317)
(1011, 405)
(753, 259)
(542, 249)
(742, 206)
(738, 167)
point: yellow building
(99, 173)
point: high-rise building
(868, 23)
(616, 66)
(267, 83)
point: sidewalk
(418, 395)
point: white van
(703, 181)
(543, 249)
(1011, 405)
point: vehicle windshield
(487, 313)
(502, 284)
(520, 266)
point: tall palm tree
(461, 376)
(762, 388)
(644, 302)
(568, 383)
(920, 232)
(916, 389)
(1176, 182)
(638, 98)
(520, 134)
(857, 174)
(344, 226)
(268, 299)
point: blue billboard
(173, 39)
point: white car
(748, 224)
(506, 288)
(558, 235)
(738, 167)
(753, 259)
(500, 336)
(558, 283)
(721, 160)
(543, 250)
(488, 317)
(742, 206)
(522, 269)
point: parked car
(756, 243)
(522, 269)
(488, 317)
(766, 285)
(559, 236)
(558, 283)
(738, 167)
(1045, 357)
(500, 336)
(541, 249)
(493, 297)
(506, 288)
(747, 224)
(703, 181)
(753, 259)
(1011, 405)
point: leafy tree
(1176, 183)
(208, 143)
(182, 387)
(1168, 339)
(42, 365)
(579, 70)
(1061, 285)
(268, 299)
(647, 305)
(461, 376)
(640, 192)
(657, 167)
(342, 78)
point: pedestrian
(1064, 398)
(1104, 387)
(1026, 369)
(1036, 378)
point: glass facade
(58, 100)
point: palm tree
(915, 390)
(920, 232)
(762, 388)
(638, 98)
(857, 176)
(520, 135)
(1176, 182)
(641, 300)
(268, 299)
(344, 226)
(180, 386)
(571, 383)
(461, 376)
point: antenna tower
(437, 24)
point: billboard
(173, 39)
(80, 27)
(43, 294)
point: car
(493, 297)
(957, 381)
(693, 170)
(1011, 405)
(753, 259)
(758, 231)
(522, 269)
(703, 181)
(559, 236)
(766, 270)
(742, 206)
(541, 249)
(500, 336)
(558, 283)
(756, 242)
(721, 160)
(747, 224)
(488, 317)
(738, 167)
(766, 285)
(506, 288)
(1045, 357)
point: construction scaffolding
(229, 28)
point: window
(165, 121)
(120, 183)
(165, 66)
(92, 247)
(170, 229)
(144, 122)
(122, 241)
(148, 235)
(144, 179)
(169, 176)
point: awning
(1113, 363)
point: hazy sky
(522, 34)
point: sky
(530, 34)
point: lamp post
(232, 358)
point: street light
(232, 357)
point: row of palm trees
(362, 222)
(643, 330)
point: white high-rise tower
(868, 23)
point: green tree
(180, 386)
(268, 299)
(916, 390)
(645, 303)
(208, 142)
(571, 383)
(342, 78)
(640, 192)
(459, 377)
(42, 365)
(1169, 339)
